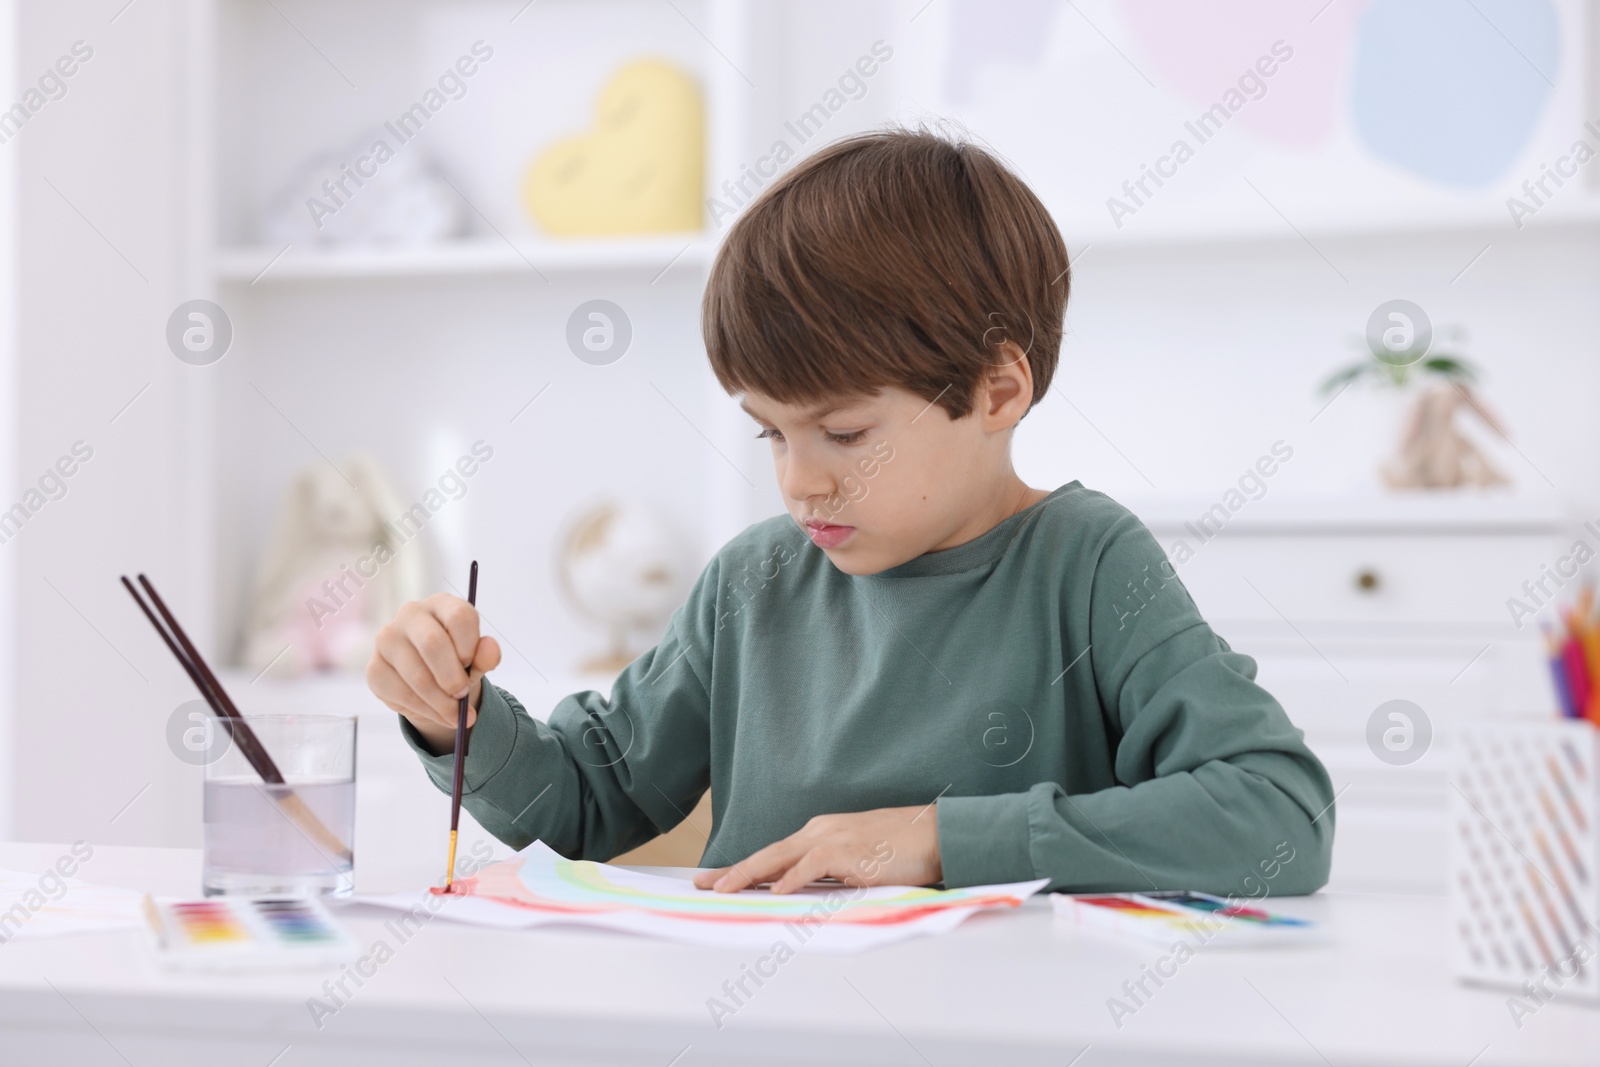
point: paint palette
(1200, 917)
(235, 933)
(1525, 856)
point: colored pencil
(459, 774)
(1586, 627)
(1558, 674)
(1577, 676)
(1589, 641)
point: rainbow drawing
(569, 887)
(539, 887)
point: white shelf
(1418, 511)
(1209, 233)
(254, 264)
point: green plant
(1397, 370)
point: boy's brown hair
(894, 258)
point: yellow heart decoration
(638, 169)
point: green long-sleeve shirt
(1049, 685)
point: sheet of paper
(34, 905)
(538, 887)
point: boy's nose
(805, 481)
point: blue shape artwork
(1451, 90)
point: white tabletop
(1008, 988)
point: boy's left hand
(889, 846)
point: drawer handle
(1367, 580)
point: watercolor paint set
(238, 933)
(1199, 918)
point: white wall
(101, 241)
(8, 418)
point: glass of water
(294, 838)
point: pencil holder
(1525, 859)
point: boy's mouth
(826, 534)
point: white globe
(619, 565)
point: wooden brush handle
(303, 817)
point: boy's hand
(889, 846)
(417, 669)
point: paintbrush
(222, 706)
(460, 771)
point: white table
(1014, 988)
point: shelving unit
(412, 352)
(488, 309)
(651, 257)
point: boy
(926, 671)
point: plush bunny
(1434, 454)
(332, 574)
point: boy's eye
(853, 437)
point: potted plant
(1398, 356)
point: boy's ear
(1006, 392)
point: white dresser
(1349, 603)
